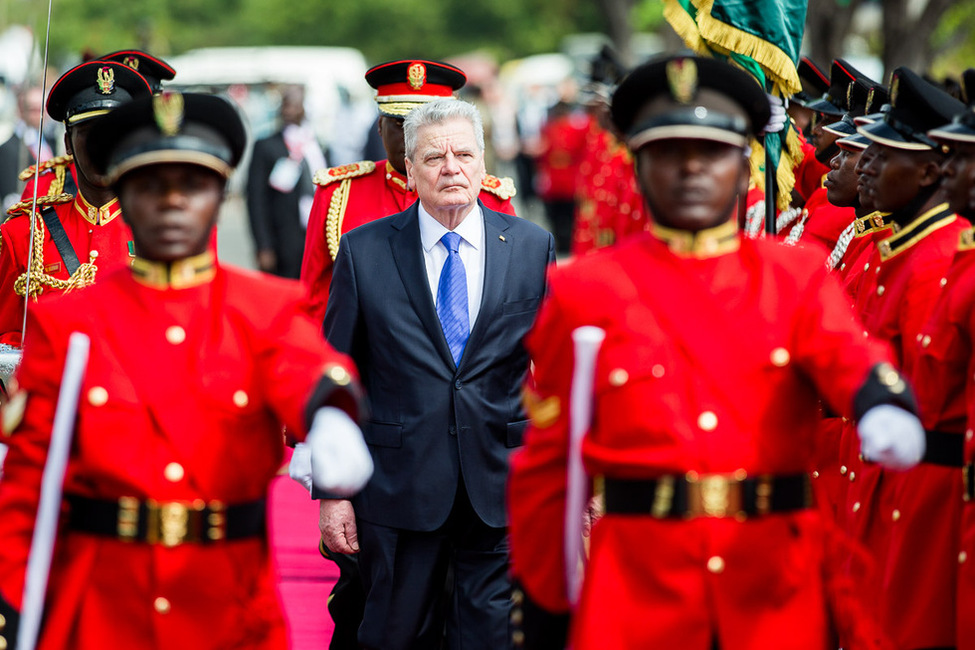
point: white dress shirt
(471, 231)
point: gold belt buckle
(169, 522)
(966, 478)
(714, 495)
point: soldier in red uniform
(193, 367)
(706, 390)
(947, 364)
(904, 517)
(77, 232)
(354, 194)
(822, 221)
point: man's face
(841, 180)
(691, 184)
(76, 144)
(890, 178)
(958, 172)
(448, 166)
(171, 209)
(31, 107)
(823, 140)
(391, 132)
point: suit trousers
(404, 574)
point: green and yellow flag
(762, 37)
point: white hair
(438, 112)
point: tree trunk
(617, 13)
(828, 24)
(908, 26)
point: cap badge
(416, 75)
(132, 62)
(167, 108)
(870, 96)
(895, 86)
(106, 80)
(682, 78)
(849, 94)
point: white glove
(778, 117)
(300, 466)
(891, 436)
(340, 460)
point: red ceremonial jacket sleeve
(11, 266)
(316, 263)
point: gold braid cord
(82, 277)
(336, 214)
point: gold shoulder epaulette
(324, 177)
(46, 165)
(503, 188)
(966, 241)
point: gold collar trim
(709, 242)
(97, 216)
(181, 274)
(934, 219)
(393, 177)
(874, 222)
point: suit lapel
(497, 254)
(408, 256)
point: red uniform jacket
(563, 150)
(895, 297)
(357, 193)
(183, 399)
(101, 240)
(712, 363)
(809, 172)
(609, 205)
(962, 320)
(822, 221)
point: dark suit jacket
(274, 220)
(15, 156)
(432, 421)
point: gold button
(962, 557)
(175, 334)
(517, 616)
(3, 621)
(969, 434)
(926, 341)
(518, 638)
(618, 377)
(853, 475)
(3, 643)
(517, 597)
(780, 357)
(97, 396)
(657, 371)
(339, 375)
(241, 399)
(842, 469)
(880, 290)
(174, 472)
(944, 281)
(815, 474)
(161, 605)
(866, 267)
(708, 421)
(93, 254)
(856, 506)
(895, 515)
(888, 376)
(716, 564)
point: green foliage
(953, 42)
(381, 29)
(648, 15)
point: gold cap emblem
(132, 62)
(416, 75)
(682, 79)
(106, 80)
(167, 107)
(895, 85)
(849, 93)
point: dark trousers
(346, 602)
(561, 221)
(404, 573)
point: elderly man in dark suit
(433, 303)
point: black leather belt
(708, 495)
(968, 478)
(169, 523)
(942, 448)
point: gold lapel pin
(501, 237)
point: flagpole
(771, 182)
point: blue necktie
(452, 298)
